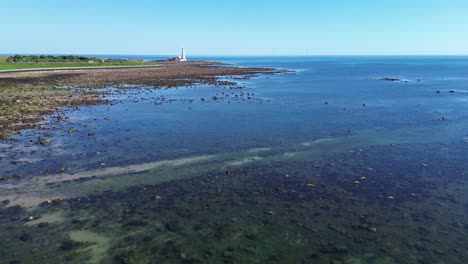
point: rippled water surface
(328, 164)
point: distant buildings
(182, 56)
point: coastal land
(27, 96)
(19, 62)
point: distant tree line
(60, 59)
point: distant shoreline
(76, 68)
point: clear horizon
(246, 28)
(246, 55)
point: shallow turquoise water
(325, 164)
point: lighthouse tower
(182, 56)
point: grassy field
(4, 65)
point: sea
(339, 159)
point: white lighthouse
(182, 56)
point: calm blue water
(327, 163)
(326, 97)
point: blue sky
(241, 27)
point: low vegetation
(49, 61)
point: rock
(57, 201)
(171, 227)
(390, 79)
(420, 247)
(43, 224)
(270, 212)
(250, 250)
(341, 250)
(251, 235)
(25, 237)
(331, 248)
(43, 142)
(136, 223)
(423, 231)
(228, 254)
(69, 245)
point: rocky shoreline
(26, 97)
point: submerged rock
(43, 224)
(69, 245)
(171, 227)
(390, 79)
(25, 237)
